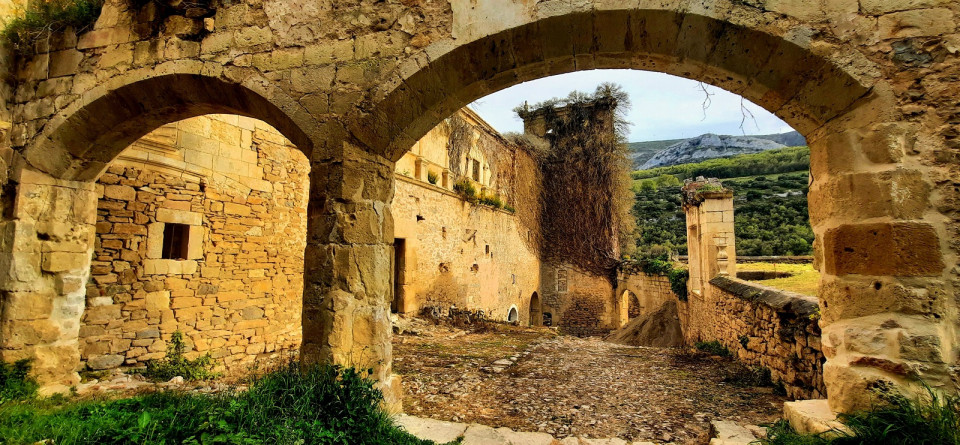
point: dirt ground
(565, 385)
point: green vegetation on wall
(771, 215)
(585, 180)
(42, 19)
(176, 364)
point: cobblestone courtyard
(572, 386)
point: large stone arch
(804, 89)
(79, 142)
(867, 200)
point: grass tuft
(927, 419)
(713, 348)
(176, 364)
(294, 404)
(15, 381)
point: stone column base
(812, 417)
(392, 394)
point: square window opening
(176, 238)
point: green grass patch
(927, 419)
(291, 405)
(15, 381)
(804, 278)
(713, 348)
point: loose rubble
(533, 380)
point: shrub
(713, 348)
(175, 364)
(15, 381)
(738, 374)
(294, 404)
(44, 18)
(509, 208)
(466, 190)
(659, 264)
(492, 201)
(678, 283)
(432, 177)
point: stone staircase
(724, 433)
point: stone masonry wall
(765, 327)
(586, 306)
(462, 254)
(238, 294)
(651, 292)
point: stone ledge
(812, 417)
(779, 300)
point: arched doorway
(513, 315)
(536, 311)
(633, 306)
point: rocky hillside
(651, 154)
(641, 152)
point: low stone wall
(766, 327)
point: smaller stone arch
(536, 310)
(513, 315)
(79, 143)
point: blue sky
(664, 106)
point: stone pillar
(46, 243)
(711, 245)
(347, 278)
(886, 307)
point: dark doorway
(399, 270)
(536, 319)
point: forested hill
(770, 202)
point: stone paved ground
(567, 386)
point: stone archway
(883, 194)
(536, 310)
(44, 297)
(851, 119)
(79, 143)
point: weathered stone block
(897, 248)
(28, 305)
(105, 362)
(65, 261)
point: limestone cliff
(709, 146)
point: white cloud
(664, 106)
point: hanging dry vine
(461, 138)
(585, 182)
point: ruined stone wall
(762, 326)
(583, 306)
(651, 291)
(238, 293)
(461, 254)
